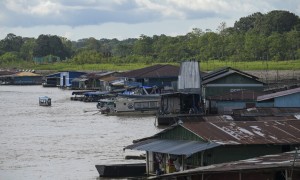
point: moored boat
(129, 106)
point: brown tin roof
(247, 132)
(267, 111)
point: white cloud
(46, 8)
(127, 18)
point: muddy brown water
(62, 141)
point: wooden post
(182, 159)
(147, 159)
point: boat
(79, 95)
(122, 170)
(146, 105)
(44, 101)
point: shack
(189, 145)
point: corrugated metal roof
(189, 76)
(278, 94)
(158, 70)
(226, 73)
(247, 132)
(176, 147)
(238, 95)
(224, 70)
(266, 111)
(275, 161)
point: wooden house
(189, 145)
(287, 98)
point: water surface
(62, 141)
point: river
(62, 141)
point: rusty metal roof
(247, 132)
(259, 111)
(236, 96)
(278, 94)
(155, 71)
(268, 162)
(224, 72)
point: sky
(123, 19)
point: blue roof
(175, 147)
(96, 93)
(44, 97)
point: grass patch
(204, 66)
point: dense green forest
(274, 36)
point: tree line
(271, 36)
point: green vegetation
(204, 65)
(258, 41)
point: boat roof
(44, 97)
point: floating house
(280, 166)
(227, 80)
(287, 98)
(22, 78)
(52, 80)
(67, 77)
(93, 81)
(224, 81)
(190, 145)
(162, 76)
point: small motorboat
(44, 101)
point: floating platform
(122, 170)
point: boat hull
(121, 170)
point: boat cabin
(44, 101)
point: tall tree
(50, 45)
(11, 43)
